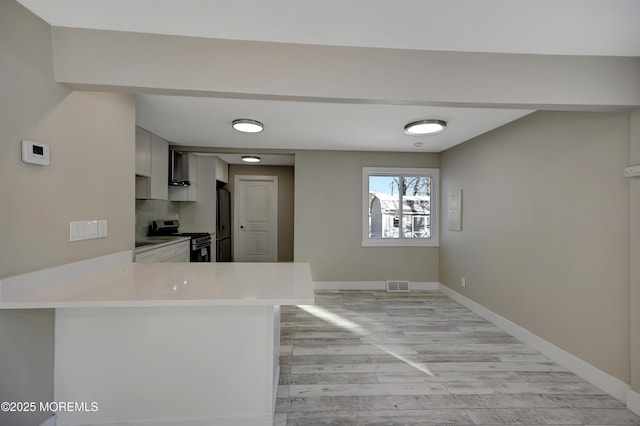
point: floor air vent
(398, 286)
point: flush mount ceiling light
(250, 158)
(425, 127)
(247, 125)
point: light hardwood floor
(419, 358)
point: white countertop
(176, 284)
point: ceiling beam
(164, 64)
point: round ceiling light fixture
(247, 125)
(425, 127)
(250, 158)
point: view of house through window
(399, 205)
(387, 194)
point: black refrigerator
(223, 226)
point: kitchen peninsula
(165, 343)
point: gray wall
(634, 252)
(545, 230)
(91, 137)
(285, 201)
(328, 224)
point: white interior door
(255, 218)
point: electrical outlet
(463, 282)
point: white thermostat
(35, 153)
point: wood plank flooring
(419, 358)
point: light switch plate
(632, 171)
(83, 230)
(102, 228)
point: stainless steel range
(200, 241)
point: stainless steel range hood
(178, 168)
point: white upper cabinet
(143, 152)
(159, 168)
(152, 166)
(201, 215)
(222, 170)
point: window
(400, 207)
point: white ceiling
(310, 125)
(563, 27)
(265, 159)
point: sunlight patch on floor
(346, 324)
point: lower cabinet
(178, 252)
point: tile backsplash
(148, 210)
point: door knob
(241, 226)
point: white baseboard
(15, 286)
(633, 401)
(371, 285)
(274, 390)
(611, 385)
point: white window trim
(434, 240)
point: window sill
(396, 242)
